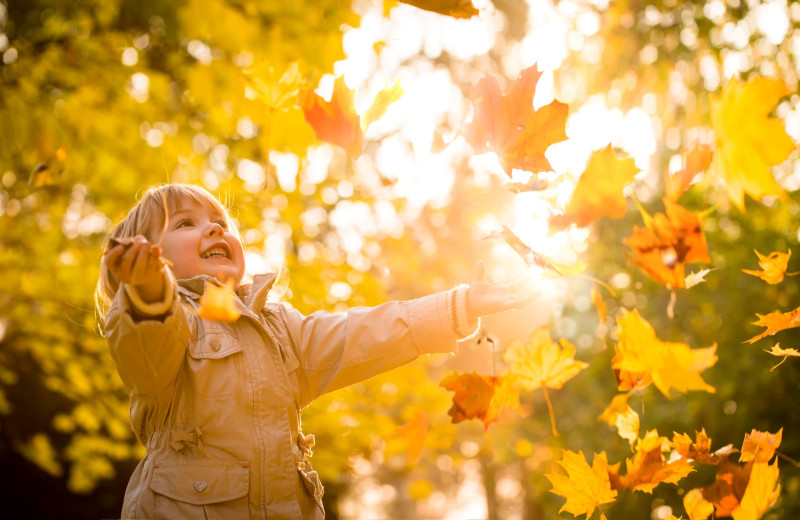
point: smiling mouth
(216, 252)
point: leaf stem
(550, 410)
(788, 459)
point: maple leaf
(773, 267)
(599, 191)
(509, 126)
(786, 353)
(697, 278)
(336, 121)
(664, 247)
(218, 303)
(584, 487)
(762, 491)
(695, 160)
(648, 468)
(278, 90)
(729, 486)
(697, 507)
(760, 446)
(642, 355)
(748, 140)
(699, 449)
(542, 363)
(530, 256)
(623, 417)
(416, 431)
(453, 8)
(480, 397)
(776, 322)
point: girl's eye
(183, 223)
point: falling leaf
(773, 267)
(760, 446)
(278, 90)
(480, 397)
(599, 191)
(530, 256)
(671, 241)
(453, 8)
(416, 431)
(762, 491)
(776, 322)
(542, 363)
(699, 449)
(695, 160)
(509, 126)
(218, 303)
(669, 365)
(648, 467)
(380, 104)
(697, 507)
(599, 304)
(729, 486)
(49, 171)
(693, 279)
(584, 487)
(626, 420)
(786, 353)
(748, 140)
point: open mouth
(216, 252)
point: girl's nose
(215, 229)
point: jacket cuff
(461, 325)
(157, 308)
(430, 324)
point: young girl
(217, 404)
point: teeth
(217, 251)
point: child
(218, 404)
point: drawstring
(182, 439)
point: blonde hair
(146, 218)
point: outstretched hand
(137, 262)
(485, 298)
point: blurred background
(100, 99)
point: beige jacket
(218, 404)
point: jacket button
(215, 345)
(200, 486)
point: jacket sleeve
(148, 348)
(336, 350)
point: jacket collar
(252, 295)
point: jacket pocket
(216, 371)
(210, 489)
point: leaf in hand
(218, 303)
(509, 126)
(542, 363)
(480, 397)
(749, 141)
(416, 431)
(642, 356)
(773, 267)
(760, 446)
(776, 322)
(599, 191)
(584, 487)
(668, 243)
(648, 467)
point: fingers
(480, 271)
(132, 262)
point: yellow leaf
(669, 365)
(416, 431)
(697, 507)
(584, 487)
(762, 491)
(380, 104)
(748, 140)
(619, 414)
(648, 468)
(599, 303)
(599, 191)
(278, 90)
(218, 303)
(773, 267)
(699, 449)
(786, 353)
(760, 446)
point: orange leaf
(776, 322)
(642, 356)
(599, 191)
(671, 241)
(695, 160)
(584, 487)
(480, 397)
(218, 303)
(648, 468)
(773, 266)
(786, 353)
(762, 491)
(599, 303)
(729, 487)
(748, 140)
(509, 126)
(416, 431)
(335, 121)
(760, 446)
(454, 8)
(700, 449)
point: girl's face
(197, 241)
